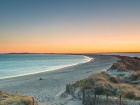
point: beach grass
(16, 99)
(103, 84)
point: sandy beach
(53, 83)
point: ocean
(12, 65)
(124, 54)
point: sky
(69, 26)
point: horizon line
(63, 53)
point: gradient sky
(69, 26)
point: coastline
(88, 59)
(47, 90)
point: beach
(53, 83)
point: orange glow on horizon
(74, 45)
(72, 40)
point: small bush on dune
(99, 90)
(86, 87)
(78, 84)
(115, 79)
(135, 77)
(138, 98)
(130, 95)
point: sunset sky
(69, 26)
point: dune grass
(16, 99)
(103, 83)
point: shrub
(130, 95)
(0, 92)
(135, 77)
(114, 79)
(99, 90)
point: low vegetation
(103, 83)
(15, 99)
(127, 64)
(130, 95)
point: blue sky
(52, 19)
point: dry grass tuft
(130, 95)
(7, 99)
(115, 79)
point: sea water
(12, 65)
(124, 54)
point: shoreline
(88, 59)
(48, 90)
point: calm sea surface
(12, 65)
(125, 54)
